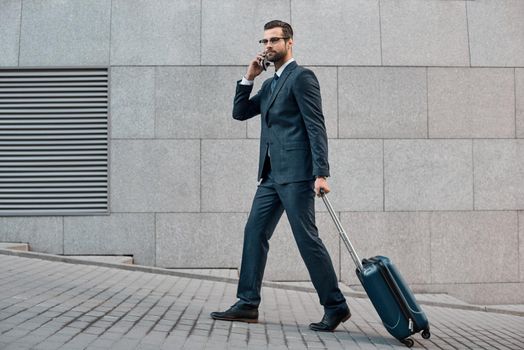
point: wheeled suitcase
(388, 291)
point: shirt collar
(281, 69)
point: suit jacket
(292, 124)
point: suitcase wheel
(426, 334)
(408, 342)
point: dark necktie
(274, 82)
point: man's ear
(290, 42)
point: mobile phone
(265, 63)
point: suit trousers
(298, 201)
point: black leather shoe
(237, 313)
(330, 323)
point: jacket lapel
(281, 81)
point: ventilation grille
(53, 141)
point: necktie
(274, 82)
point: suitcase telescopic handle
(341, 231)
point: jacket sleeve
(243, 106)
(307, 94)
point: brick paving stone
(54, 305)
(15, 346)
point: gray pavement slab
(62, 305)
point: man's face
(279, 49)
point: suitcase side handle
(341, 231)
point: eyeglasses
(273, 40)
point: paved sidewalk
(56, 305)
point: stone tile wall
(424, 107)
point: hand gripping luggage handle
(341, 231)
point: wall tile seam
(466, 283)
(62, 66)
(467, 32)
(430, 232)
(200, 34)
(244, 66)
(51, 215)
(63, 235)
(409, 139)
(317, 211)
(173, 139)
(155, 133)
(60, 216)
(422, 66)
(65, 217)
(515, 100)
(20, 31)
(427, 104)
(427, 211)
(155, 243)
(176, 212)
(110, 29)
(442, 211)
(380, 32)
(473, 173)
(201, 185)
(97, 216)
(467, 138)
(383, 175)
(338, 103)
(329, 138)
(438, 138)
(290, 2)
(520, 254)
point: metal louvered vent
(53, 141)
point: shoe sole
(246, 320)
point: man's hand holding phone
(256, 66)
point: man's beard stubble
(277, 56)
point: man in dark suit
(293, 166)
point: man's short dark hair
(286, 28)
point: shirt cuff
(246, 82)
